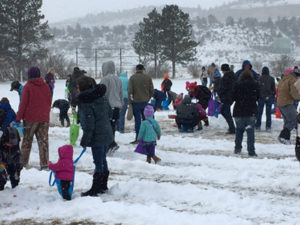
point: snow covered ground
(199, 181)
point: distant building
(282, 45)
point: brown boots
(154, 157)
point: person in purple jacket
(64, 169)
(50, 80)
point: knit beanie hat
(34, 72)
(148, 111)
(225, 67)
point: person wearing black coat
(63, 106)
(245, 94)
(267, 95)
(225, 92)
(97, 131)
(187, 114)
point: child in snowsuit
(10, 154)
(64, 169)
(63, 106)
(149, 132)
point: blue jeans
(268, 101)
(138, 113)
(121, 121)
(242, 124)
(99, 156)
(226, 113)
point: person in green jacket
(148, 133)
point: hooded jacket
(64, 168)
(245, 94)
(36, 102)
(125, 81)
(114, 90)
(96, 113)
(266, 84)
(287, 92)
(227, 83)
(246, 62)
(187, 112)
(10, 114)
(140, 88)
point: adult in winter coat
(63, 106)
(77, 74)
(225, 93)
(187, 114)
(50, 80)
(125, 81)
(34, 110)
(287, 94)
(16, 86)
(246, 66)
(140, 91)
(200, 92)
(114, 93)
(267, 95)
(203, 76)
(97, 131)
(245, 95)
(10, 114)
(166, 84)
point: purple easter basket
(142, 150)
(214, 108)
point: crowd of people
(102, 107)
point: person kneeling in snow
(63, 106)
(97, 130)
(64, 169)
(149, 132)
(10, 155)
(187, 115)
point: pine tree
(176, 37)
(22, 32)
(146, 41)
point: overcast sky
(57, 10)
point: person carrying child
(10, 154)
(64, 169)
(63, 106)
(149, 132)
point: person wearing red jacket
(34, 110)
(64, 169)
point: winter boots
(99, 185)
(285, 136)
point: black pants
(14, 176)
(114, 119)
(63, 115)
(65, 185)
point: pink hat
(288, 71)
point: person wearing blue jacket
(247, 66)
(18, 87)
(121, 122)
(10, 114)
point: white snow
(199, 181)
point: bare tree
(284, 62)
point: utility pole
(96, 66)
(120, 60)
(77, 57)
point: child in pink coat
(64, 169)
